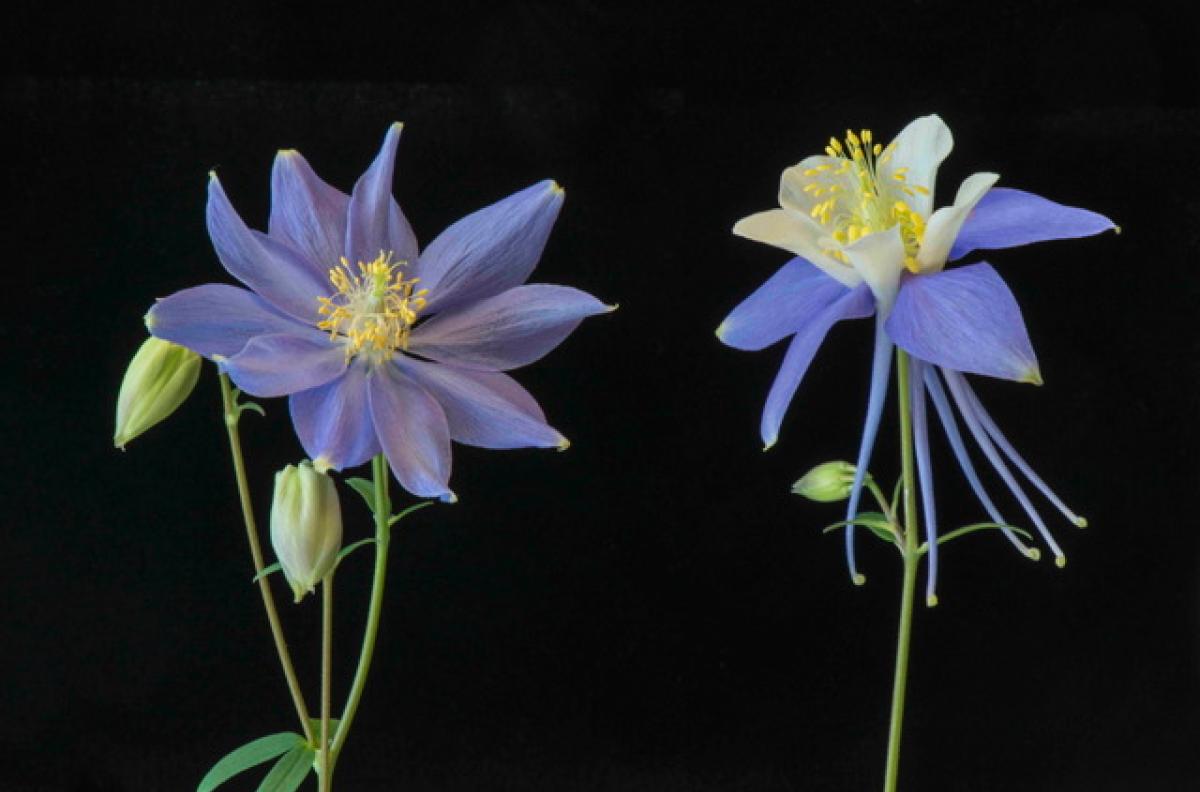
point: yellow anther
(372, 312)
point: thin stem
(379, 470)
(231, 412)
(326, 777)
(911, 561)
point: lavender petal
(217, 319)
(511, 329)
(282, 364)
(276, 272)
(881, 370)
(491, 250)
(306, 213)
(375, 224)
(483, 408)
(333, 421)
(920, 428)
(413, 432)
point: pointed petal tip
(563, 444)
(212, 178)
(722, 330)
(859, 579)
(322, 464)
(1060, 561)
(1116, 229)
(611, 308)
(1033, 554)
(448, 497)
(1033, 376)
(555, 188)
(287, 153)
(931, 601)
(770, 442)
(1080, 521)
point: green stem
(912, 559)
(379, 470)
(232, 415)
(326, 777)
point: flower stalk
(910, 552)
(232, 412)
(325, 778)
(379, 471)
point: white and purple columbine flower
(379, 348)
(861, 222)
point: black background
(651, 610)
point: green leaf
(875, 522)
(267, 571)
(290, 771)
(896, 490)
(252, 407)
(252, 753)
(366, 488)
(969, 529)
(345, 551)
(395, 518)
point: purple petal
(483, 408)
(216, 319)
(333, 421)
(376, 224)
(780, 306)
(852, 304)
(881, 373)
(413, 432)
(278, 365)
(964, 319)
(1007, 218)
(920, 429)
(306, 213)
(491, 250)
(511, 329)
(279, 274)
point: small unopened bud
(306, 526)
(159, 378)
(827, 482)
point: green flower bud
(306, 526)
(827, 482)
(159, 378)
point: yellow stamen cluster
(857, 200)
(373, 311)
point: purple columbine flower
(861, 222)
(379, 348)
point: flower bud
(827, 482)
(159, 378)
(306, 526)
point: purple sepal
(781, 306)
(964, 319)
(217, 319)
(282, 364)
(275, 271)
(306, 213)
(491, 250)
(511, 329)
(881, 373)
(1007, 218)
(333, 421)
(412, 430)
(483, 408)
(375, 223)
(852, 303)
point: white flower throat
(856, 194)
(373, 311)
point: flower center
(856, 199)
(373, 311)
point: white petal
(945, 223)
(920, 147)
(793, 181)
(796, 234)
(879, 259)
